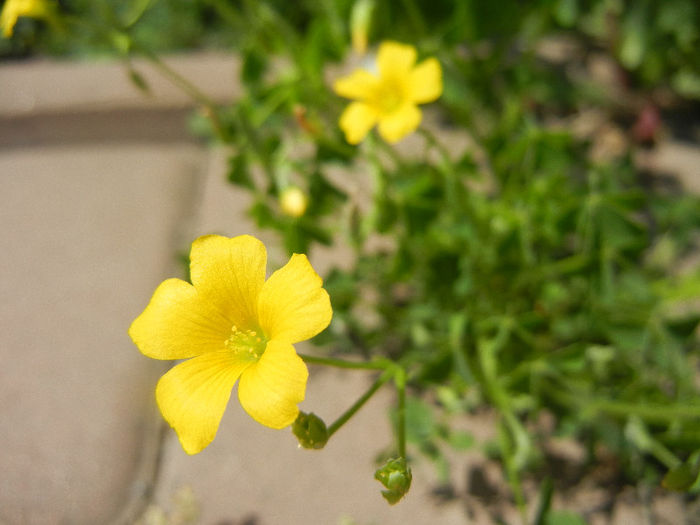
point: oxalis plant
(498, 263)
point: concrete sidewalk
(86, 232)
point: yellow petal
(230, 274)
(8, 19)
(356, 121)
(13, 9)
(360, 84)
(193, 395)
(293, 306)
(177, 324)
(400, 123)
(395, 60)
(425, 81)
(270, 389)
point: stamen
(246, 343)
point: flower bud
(360, 20)
(310, 430)
(293, 202)
(396, 476)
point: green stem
(514, 440)
(655, 413)
(335, 426)
(546, 490)
(433, 142)
(369, 223)
(414, 16)
(444, 166)
(375, 144)
(663, 454)
(275, 28)
(340, 148)
(538, 365)
(400, 380)
(507, 444)
(226, 12)
(190, 89)
(137, 11)
(176, 78)
(252, 142)
(380, 364)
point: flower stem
(335, 426)
(175, 77)
(655, 413)
(514, 440)
(432, 141)
(186, 86)
(650, 413)
(414, 16)
(400, 380)
(382, 364)
(226, 12)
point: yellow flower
(391, 98)
(231, 323)
(13, 9)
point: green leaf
(334, 149)
(680, 478)
(684, 477)
(254, 67)
(634, 37)
(685, 326)
(135, 12)
(324, 197)
(139, 81)
(239, 171)
(461, 440)
(420, 421)
(687, 83)
(566, 12)
(545, 501)
(563, 517)
(263, 215)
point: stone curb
(43, 86)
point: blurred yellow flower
(293, 201)
(231, 323)
(13, 9)
(391, 97)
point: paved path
(85, 234)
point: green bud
(121, 41)
(310, 430)
(360, 20)
(396, 476)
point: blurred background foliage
(654, 42)
(532, 266)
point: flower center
(246, 344)
(389, 97)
